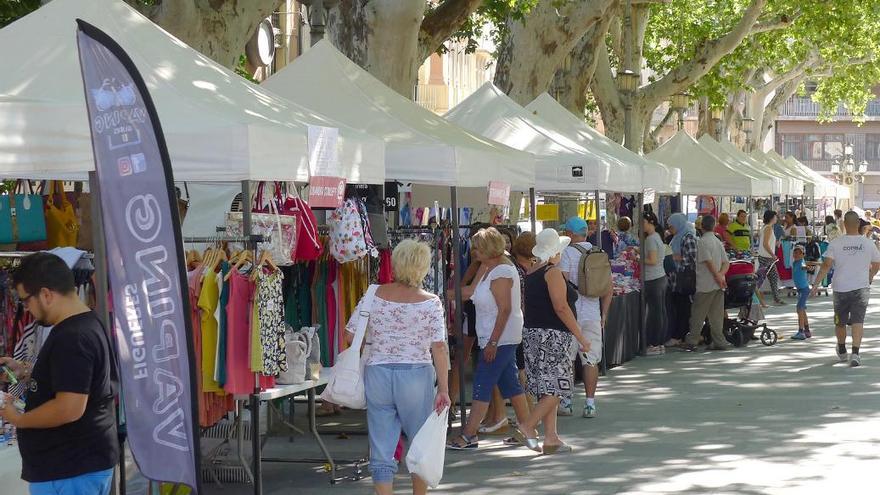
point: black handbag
(686, 282)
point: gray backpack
(594, 272)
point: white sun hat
(549, 243)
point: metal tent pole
(533, 205)
(603, 368)
(456, 282)
(254, 402)
(643, 330)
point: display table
(622, 329)
(10, 471)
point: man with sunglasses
(67, 431)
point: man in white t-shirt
(589, 315)
(855, 260)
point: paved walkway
(786, 419)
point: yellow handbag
(61, 224)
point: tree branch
(780, 22)
(706, 57)
(442, 22)
(651, 139)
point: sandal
(530, 443)
(511, 442)
(562, 448)
(493, 428)
(470, 443)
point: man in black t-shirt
(67, 433)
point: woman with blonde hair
(406, 333)
(496, 296)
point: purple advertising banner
(145, 262)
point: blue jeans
(501, 372)
(96, 483)
(399, 397)
(803, 296)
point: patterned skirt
(548, 366)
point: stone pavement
(786, 419)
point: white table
(280, 392)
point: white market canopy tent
(778, 184)
(832, 189)
(794, 185)
(562, 164)
(218, 126)
(780, 166)
(663, 179)
(420, 146)
(704, 173)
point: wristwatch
(493, 343)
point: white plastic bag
(427, 451)
(346, 385)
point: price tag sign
(392, 196)
(326, 192)
(499, 193)
(648, 196)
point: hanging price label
(392, 196)
(326, 192)
(499, 193)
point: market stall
(571, 163)
(219, 127)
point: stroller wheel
(769, 337)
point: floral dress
(270, 307)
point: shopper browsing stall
(550, 329)
(590, 316)
(407, 333)
(67, 432)
(655, 285)
(712, 265)
(740, 232)
(855, 260)
(496, 295)
(722, 229)
(767, 258)
(682, 278)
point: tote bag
(22, 218)
(61, 223)
(346, 385)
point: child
(802, 283)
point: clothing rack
(243, 238)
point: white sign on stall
(648, 196)
(324, 151)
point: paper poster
(324, 151)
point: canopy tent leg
(603, 368)
(456, 283)
(643, 327)
(533, 215)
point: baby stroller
(741, 286)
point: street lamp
(845, 170)
(628, 83)
(717, 117)
(680, 103)
(747, 123)
(317, 13)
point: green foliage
(11, 10)
(492, 15)
(242, 70)
(839, 31)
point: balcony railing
(434, 97)
(798, 106)
(824, 166)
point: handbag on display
(346, 384)
(297, 354)
(182, 203)
(313, 360)
(308, 246)
(61, 223)
(348, 242)
(267, 221)
(22, 220)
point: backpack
(594, 272)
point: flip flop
(511, 442)
(493, 428)
(470, 443)
(562, 448)
(530, 443)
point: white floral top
(402, 333)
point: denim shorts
(501, 372)
(850, 307)
(96, 483)
(803, 295)
(400, 397)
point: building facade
(816, 145)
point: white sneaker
(842, 356)
(590, 411)
(855, 360)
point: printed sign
(648, 196)
(323, 151)
(326, 192)
(145, 260)
(392, 196)
(499, 193)
(547, 213)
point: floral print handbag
(347, 239)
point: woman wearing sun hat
(550, 328)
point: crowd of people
(537, 304)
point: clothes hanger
(244, 257)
